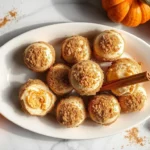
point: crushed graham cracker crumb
(76, 49)
(13, 13)
(58, 80)
(133, 137)
(39, 57)
(134, 102)
(102, 107)
(8, 17)
(35, 56)
(87, 73)
(109, 42)
(70, 114)
(4, 21)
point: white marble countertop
(36, 13)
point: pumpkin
(128, 12)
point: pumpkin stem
(147, 2)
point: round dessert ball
(36, 98)
(134, 102)
(70, 111)
(86, 77)
(57, 79)
(39, 56)
(122, 68)
(104, 109)
(108, 46)
(75, 49)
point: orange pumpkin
(128, 12)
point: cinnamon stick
(130, 80)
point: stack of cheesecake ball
(81, 75)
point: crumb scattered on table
(134, 138)
(11, 15)
(122, 147)
(4, 21)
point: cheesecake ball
(86, 77)
(57, 79)
(75, 49)
(134, 102)
(104, 109)
(122, 68)
(70, 111)
(108, 46)
(39, 56)
(35, 97)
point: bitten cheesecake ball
(75, 49)
(57, 79)
(108, 46)
(39, 56)
(134, 102)
(36, 98)
(70, 111)
(122, 68)
(104, 109)
(86, 77)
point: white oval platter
(13, 73)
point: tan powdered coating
(57, 79)
(86, 76)
(35, 58)
(76, 49)
(108, 44)
(37, 82)
(134, 102)
(130, 67)
(102, 108)
(71, 111)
